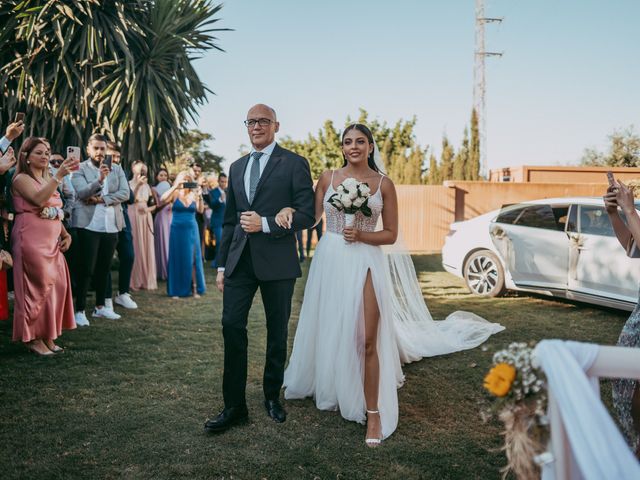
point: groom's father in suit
(257, 253)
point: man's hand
(7, 161)
(14, 130)
(220, 281)
(94, 200)
(104, 171)
(251, 222)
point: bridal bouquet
(52, 213)
(518, 384)
(351, 196)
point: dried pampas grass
(522, 442)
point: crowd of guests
(65, 219)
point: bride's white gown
(327, 361)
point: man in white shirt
(97, 218)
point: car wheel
(484, 275)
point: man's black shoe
(226, 419)
(275, 410)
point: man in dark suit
(217, 200)
(257, 253)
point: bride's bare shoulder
(387, 186)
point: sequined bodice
(335, 217)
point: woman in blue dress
(185, 273)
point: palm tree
(120, 67)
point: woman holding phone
(43, 303)
(185, 271)
(626, 392)
(143, 275)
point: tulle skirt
(327, 362)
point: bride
(363, 312)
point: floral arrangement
(52, 213)
(352, 196)
(518, 384)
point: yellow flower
(499, 379)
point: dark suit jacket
(217, 207)
(285, 182)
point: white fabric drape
(597, 449)
(418, 335)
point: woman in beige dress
(143, 275)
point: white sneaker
(108, 303)
(104, 312)
(126, 301)
(81, 319)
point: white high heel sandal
(372, 442)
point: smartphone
(74, 152)
(190, 185)
(19, 117)
(108, 160)
(612, 181)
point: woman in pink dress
(143, 275)
(43, 304)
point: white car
(563, 247)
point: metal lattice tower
(479, 85)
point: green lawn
(128, 399)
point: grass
(128, 398)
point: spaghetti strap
(332, 172)
(380, 184)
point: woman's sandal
(54, 348)
(373, 442)
(31, 346)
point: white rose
(341, 189)
(350, 184)
(364, 189)
(346, 202)
(353, 194)
(358, 202)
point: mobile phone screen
(19, 117)
(108, 160)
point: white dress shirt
(104, 217)
(266, 155)
(4, 144)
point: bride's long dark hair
(367, 133)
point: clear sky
(569, 76)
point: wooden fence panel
(425, 213)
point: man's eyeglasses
(263, 122)
(55, 163)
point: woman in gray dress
(626, 392)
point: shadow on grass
(128, 398)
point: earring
(28, 162)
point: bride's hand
(351, 234)
(284, 218)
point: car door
(532, 241)
(600, 264)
